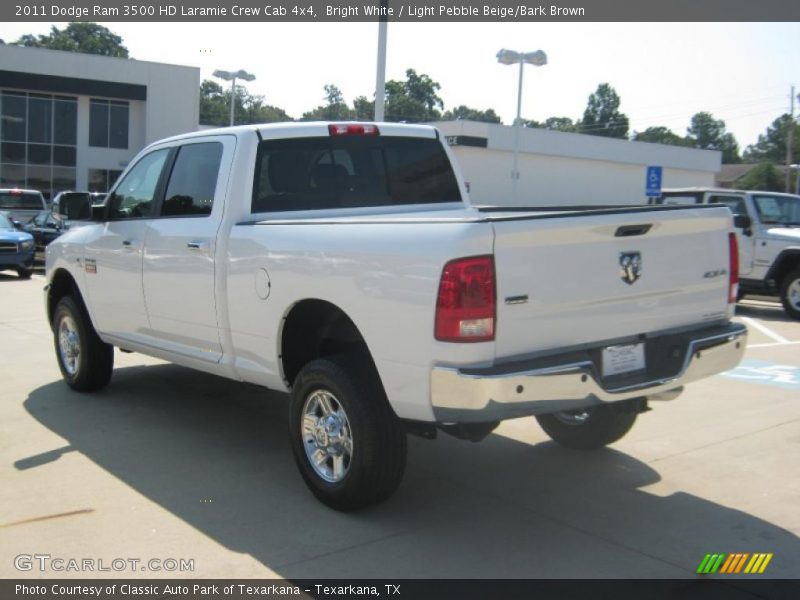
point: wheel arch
(62, 284)
(784, 264)
(312, 328)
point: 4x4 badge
(630, 264)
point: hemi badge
(517, 299)
(90, 265)
(712, 274)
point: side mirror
(743, 222)
(16, 224)
(98, 213)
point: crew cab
(344, 263)
(768, 235)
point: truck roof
(290, 129)
(702, 190)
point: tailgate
(568, 279)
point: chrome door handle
(197, 245)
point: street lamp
(510, 57)
(232, 76)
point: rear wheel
(588, 428)
(790, 294)
(85, 360)
(24, 272)
(348, 444)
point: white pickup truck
(343, 263)
(767, 227)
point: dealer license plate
(623, 359)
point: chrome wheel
(69, 344)
(327, 437)
(793, 294)
(574, 417)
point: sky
(663, 72)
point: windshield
(5, 223)
(778, 210)
(21, 201)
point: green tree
(215, 106)
(89, 38)
(661, 135)
(413, 100)
(708, 133)
(561, 124)
(336, 108)
(771, 145)
(602, 115)
(764, 176)
(363, 109)
(472, 114)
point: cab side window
(133, 197)
(193, 181)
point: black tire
(94, 359)
(790, 294)
(375, 466)
(24, 272)
(601, 425)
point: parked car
(44, 228)
(69, 210)
(768, 235)
(343, 263)
(21, 205)
(16, 248)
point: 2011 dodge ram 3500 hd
(343, 263)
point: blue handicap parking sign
(653, 183)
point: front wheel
(348, 444)
(24, 272)
(790, 294)
(588, 428)
(85, 360)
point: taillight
(465, 307)
(733, 268)
(352, 129)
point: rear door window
(351, 171)
(193, 181)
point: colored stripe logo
(734, 563)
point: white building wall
(564, 168)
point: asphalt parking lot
(168, 463)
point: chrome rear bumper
(571, 381)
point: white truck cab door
(179, 249)
(113, 257)
(745, 239)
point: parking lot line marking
(764, 329)
(772, 344)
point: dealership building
(557, 168)
(74, 121)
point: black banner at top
(527, 11)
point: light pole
(510, 57)
(797, 179)
(232, 76)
